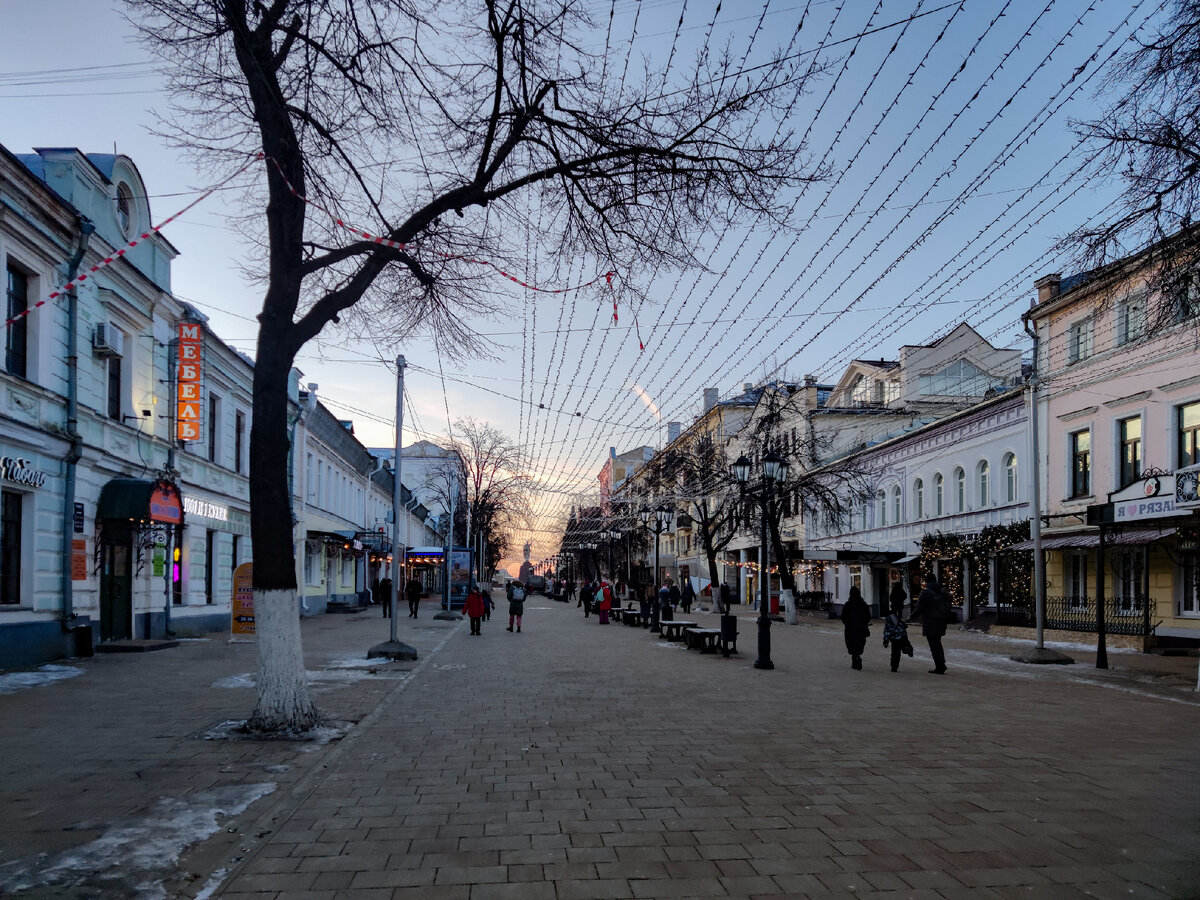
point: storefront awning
(140, 500)
(1122, 536)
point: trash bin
(82, 635)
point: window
(959, 379)
(919, 498)
(16, 338)
(939, 495)
(1077, 579)
(960, 490)
(1185, 298)
(862, 515)
(310, 480)
(881, 509)
(236, 553)
(239, 441)
(1129, 574)
(1081, 464)
(214, 413)
(1079, 341)
(1188, 576)
(984, 474)
(310, 567)
(124, 208)
(897, 510)
(115, 389)
(1131, 450)
(1189, 435)
(1131, 320)
(1010, 478)
(10, 548)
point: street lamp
(662, 521)
(775, 472)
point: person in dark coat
(645, 601)
(895, 634)
(412, 591)
(933, 624)
(856, 620)
(666, 602)
(687, 597)
(587, 594)
(385, 596)
(726, 599)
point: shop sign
(1133, 510)
(21, 471)
(79, 559)
(189, 376)
(164, 505)
(194, 507)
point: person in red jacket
(604, 601)
(475, 608)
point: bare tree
(1149, 135)
(440, 131)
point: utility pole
(393, 648)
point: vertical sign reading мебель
(189, 374)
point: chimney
(810, 380)
(710, 398)
(1048, 287)
(748, 387)
(673, 429)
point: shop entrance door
(116, 591)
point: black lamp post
(775, 472)
(662, 521)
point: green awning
(140, 500)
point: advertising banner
(189, 375)
(243, 601)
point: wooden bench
(672, 629)
(702, 639)
(631, 617)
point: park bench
(631, 617)
(672, 629)
(702, 639)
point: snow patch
(130, 858)
(19, 681)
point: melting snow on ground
(338, 671)
(18, 681)
(131, 858)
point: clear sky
(953, 171)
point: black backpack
(942, 610)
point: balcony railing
(1122, 615)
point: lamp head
(741, 469)
(775, 468)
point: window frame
(1185, 457)
(1131, 320)
(939, 486)
(16, 358)
(1081, 340)
(960, 489)
(983, 483)
(897, 505)
(919, 498)
(1010, 477)
(1129, 470)
(1080, 480)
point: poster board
(242, 610)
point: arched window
(897, 509)
(880, 509)
(983, 472)
(960, 490)
(1010, 478)
(919, 499)
(939, 495)
(124, 208)
(862, 515)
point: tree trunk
(787, 582)
(283, 703)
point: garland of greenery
(1014, 571)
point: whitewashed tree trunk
(789, 605)
(283, 702)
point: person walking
(475, 608)
(895, 633)
(571, 590)
(687, 597)
(488, 604)
(676, 596)
(385, 596)
(412, 591)
(604, 602)
(726, 598)
(645, 601)
(856, 620)
(587, 594)
(516, 606)
(933, 608)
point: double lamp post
(662, 521)
(774, 474)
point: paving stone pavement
(576, 760)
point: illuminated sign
(194, 507)
(21, 471)
(189, 374)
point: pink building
(1118, 419)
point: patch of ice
(130, 858)
(244, 680)
(19, 681)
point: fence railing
(1122, 615)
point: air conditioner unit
(108, 340)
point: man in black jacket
(930, 609)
